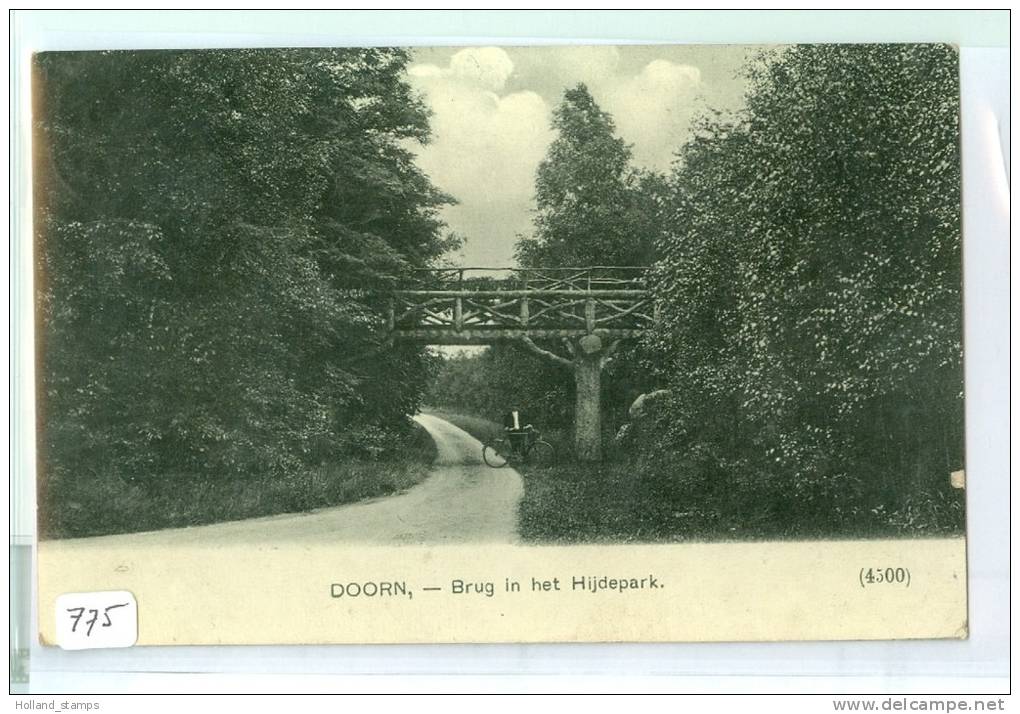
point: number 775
(79, 612)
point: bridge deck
(451, 306)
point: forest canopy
(206, 224)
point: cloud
(485, 148)
(491, 127)
(481, 67)
(653, 110)
(489, 67)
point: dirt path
(462, 501)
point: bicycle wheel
(492, 454)
(542, 452)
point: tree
(810, 280)
(593, 209)
(209, 224)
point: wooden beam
(551, 356)
(482, 336)
(619, 294)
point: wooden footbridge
(475, 306)
(575, 317)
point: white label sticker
(96, 620)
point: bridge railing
(589, 278)
(471, 304)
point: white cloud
(488, 141)
(480, 67)
(489, 67)
(653, 109)
(485, 148)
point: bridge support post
(588, 406)
(590, 355)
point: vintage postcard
(499, 344)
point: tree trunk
(589, 355)
(588, 410)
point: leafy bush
(810, 285)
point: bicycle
(532, 450)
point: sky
(492, 109)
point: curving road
(462, 501)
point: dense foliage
(808, 275)
(208, 226)
(810, 287)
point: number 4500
(887, 576)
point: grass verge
(622, 501)
(92, 507)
